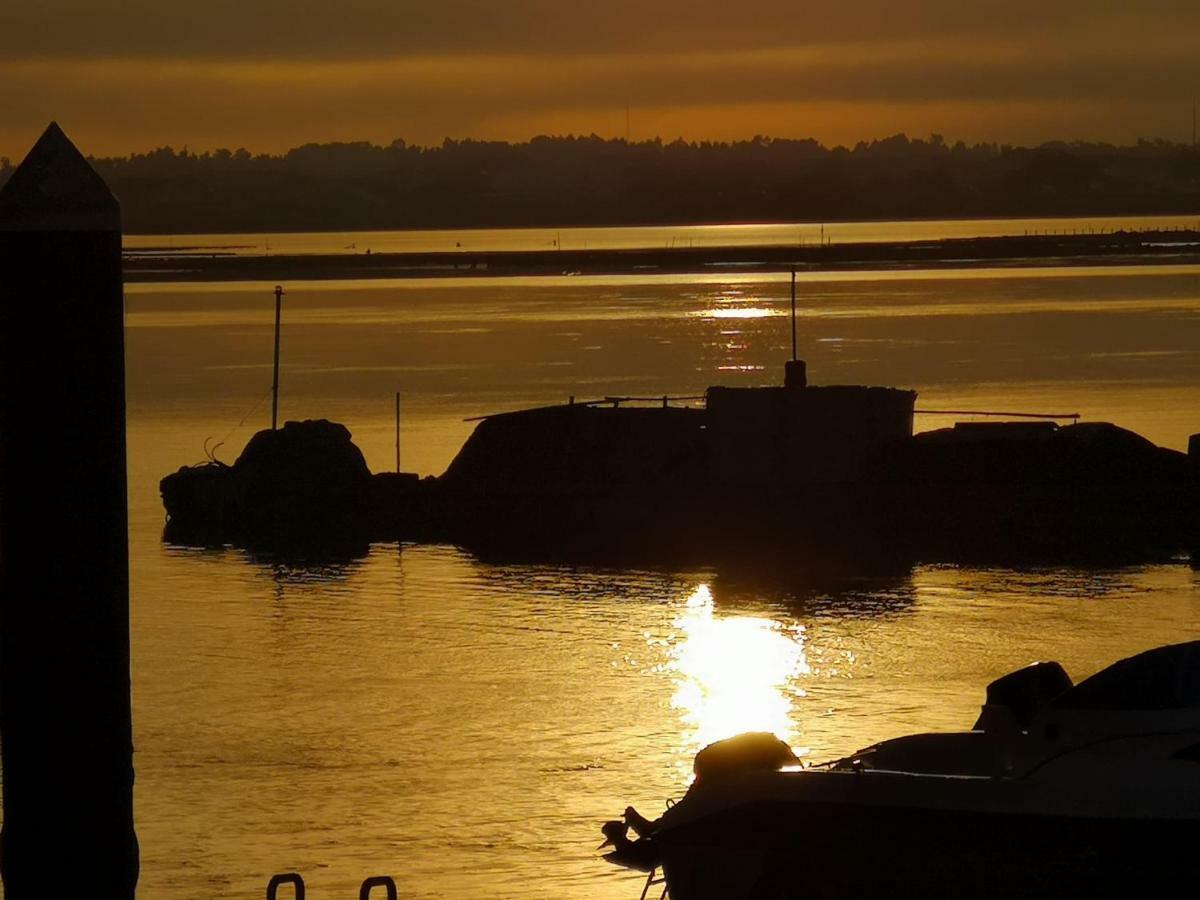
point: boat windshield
(1163, 678)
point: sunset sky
(272, 74)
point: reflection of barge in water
(1060, 790)
(796, 471)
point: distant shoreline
(1117, 248)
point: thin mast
(793, 315)
(275, 377)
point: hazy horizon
(14, 158)
(591, 181)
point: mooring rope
(210, 453)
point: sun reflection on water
(735, 673)
(738, 312)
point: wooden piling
(65, 722)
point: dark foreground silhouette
(66, 738)
(779, 474)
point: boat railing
(665, 401)
(1074, 417)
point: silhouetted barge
(792, 472)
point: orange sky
(271, 74)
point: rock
(303, 486)
(302, 489)
(197, 500)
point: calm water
(465, 727)
(479, 239)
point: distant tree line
(594, 181)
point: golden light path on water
(733, 303)
(739, 312)
(734, 673)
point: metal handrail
(292, 878)
(384, 881)
(297, 883)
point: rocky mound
(303, 486)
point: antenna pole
(397, 431)
(793, 314)
(275, 377)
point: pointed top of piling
(56, 189)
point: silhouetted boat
(787, 472)
(1060, 790)
(815, 472)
